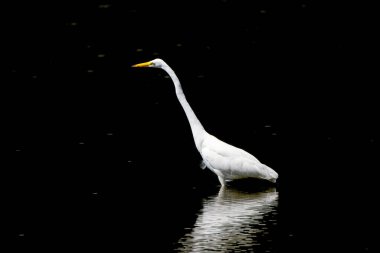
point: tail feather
(271, 175)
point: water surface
(233, 221)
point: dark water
(233, 221)
(94, 199)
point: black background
(90, 136)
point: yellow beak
(142, 65)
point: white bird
(226, 161)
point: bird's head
(156, 63)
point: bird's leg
(220, 177)
(222, 181)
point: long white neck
(196, 126)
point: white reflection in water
(231, 221)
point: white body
(229, 162)
(226, 161)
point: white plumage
(226, 161)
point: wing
(232, 162)
(233, 167)
(225, 149)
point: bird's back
(225, 149)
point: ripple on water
(232, 221)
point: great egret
(226, 161)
